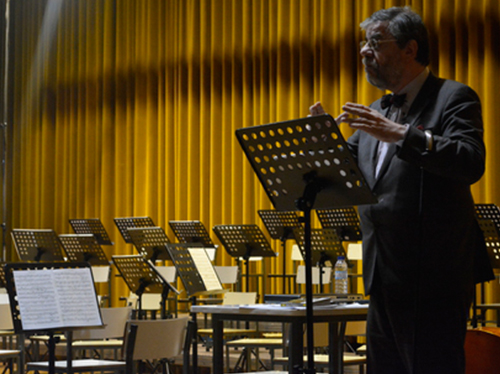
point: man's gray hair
(405, 25)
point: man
(422, 248)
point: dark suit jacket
(423, 230)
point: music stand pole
(312, 153)
(283, 245)
(280, 225)
(195, 337)
(52, 352)
(305, 204)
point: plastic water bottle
(340, 275)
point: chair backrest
(354, 251)
(353, 328)
(5, 317)
(114, 321)
(320, 335)
(296, 253)
(239, 298)
(167, 272)
(227, 274)
(149, 301)
(159, 338)
(4, 296)
(128, 347)
(301, 275)
(100, 273)
(211, 252)
(482, 350)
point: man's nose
(366, 50)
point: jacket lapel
(417, 108)
(422, 100)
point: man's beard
(383, 79)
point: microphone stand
(3, 126)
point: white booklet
(56, 298)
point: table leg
(218, 357)
(296, 347)
(336, 333)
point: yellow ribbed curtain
(127, 108)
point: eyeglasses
(374, 43)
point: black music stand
(280, 225)
(189, 259)
(141, 277)
(37, 245)
(325, 248)
(191, 232)
(244, 241)
(3, 281)
(305, 164)
(92, 226)
(126, 223)
(344, 220)
(83, 248)
(43, 300)
(192, 272)
(151, 242)
(488, 217)
(492, 238)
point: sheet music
(205, 268)
(56, 298)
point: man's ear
(411, 49)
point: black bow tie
(391, 99)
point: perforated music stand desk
(151, 242)
(125, 223)
(83, 248)
(280, 225)
(345, 221)
(37, 245)
(191, 232)
(3, 282)
(141, 277)
(244, 241)
(488, 212)
(195, 281)
(92, 226)
(325, 248)
(192, 278)
(304, 164)
(488, 217)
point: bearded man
(419, 149)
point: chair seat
(323, 360)
(361, 350)
(79, 365)
(274, 335)
(256, 342)
(9, 353)
(228, 331)
(268, 372)
(98, 344)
